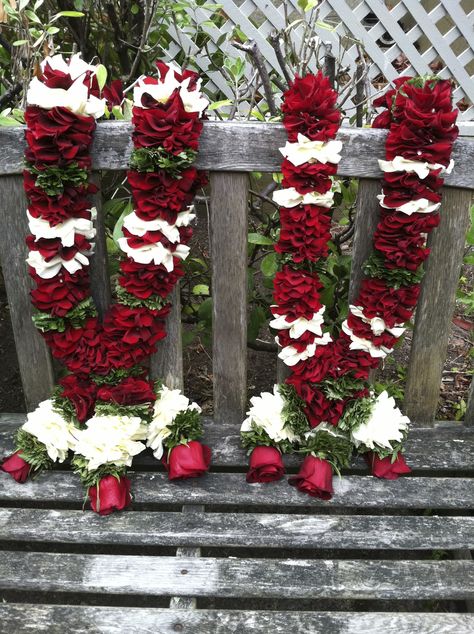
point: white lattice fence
(426, 35)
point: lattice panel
(419, 37)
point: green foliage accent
(154, 302)
(376, 267)
(186, 426)
(53, 178)
(33, 451)
(64, 406)
(383, 452)
(341, 388)
(356, 413)
(79, 465)
(75, 318)
(154, 159)
(116, 376)
(143, 410)
(258, 437)
(295, 419)
(331, 445)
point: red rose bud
(188, 461)
(384, 468)
(16, 467)
(314, 478)
(114, 495)
(265, 465)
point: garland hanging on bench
(106, 410)
(326, 409)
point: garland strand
(328, 393)
(106, 409)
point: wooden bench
(216, 554)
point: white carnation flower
(65, 231)
(266, 412)
(291, 198)
(50, 428)
(168, 404)
(307, 151)
(385, 425)
(299, 326)
(155, 253)
(110, 439)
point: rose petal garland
(330, 377)
(106, 409)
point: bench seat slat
(259, 578)
(441, 448)
(56, 619)
(238, 529)
(229, 489)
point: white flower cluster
(168, 404)
(386, 424)
(50, 428)
(291, 198)
(66, 232)
(110, 439)
(307, 151)
(378, 326)
(289, 354)
(76, 98)
(266, 412)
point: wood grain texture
(153, 490)
(443, 448)
(229, 194)
(167, 362)
(243, 146)
(191, 530)
(366, 220)
(435, 308)
(187, 548)
(56, 619)
(259, 578)
(99, 269)
(33, 355)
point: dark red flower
(265, 465)
(82, 394)
(112, 494)
(187, 461)
(296, 293)
(384, 467)
(113, 93)
(144, 280)
(314, 478)
(130, 391)
(15, 466)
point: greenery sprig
(396, 277)
(75, 318)
(53, 178)
(33, 451)
(91, 478)
(331, 445)
(116, 375)
(154, 302)
(154, 159)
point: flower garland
(106, 410)
(329, 384)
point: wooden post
(435, 308)
(469, 418)
(366, 220)
(229, 192)
(167, 362)
(33, 355)
(99, 270)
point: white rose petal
(290, 355)
(420, 205)
(193, 101)
(291, 198)
(160, 91)
(377, 324)
(139, 227)
(50, 428)
(421, 168)
(307, 151)
(154, 253)
(300, 325)
(50, 268)
(385, 425)
(75, 66)
(65, 231)
(357, 343)
(76, 98)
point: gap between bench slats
(265, 578)
(55, 619)
(193, 529)
(230, 489)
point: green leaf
(101, 74)
(201, 289)
(52, 30)
(134, 9)
(117, 232)
(269, 265)
(258, 238)
(205, 310)
(19, 42)
(32, 17)
(219, 104)
(70, 14)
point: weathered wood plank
(443, 448)
(229, 193)
(151, 490)
(239, 146)
(265, 578)
(56, 619)
(33, 355)
(366, 220)
(99, 269)
(167, 362)
(195, 529)
(435, 308)
(186, 549)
